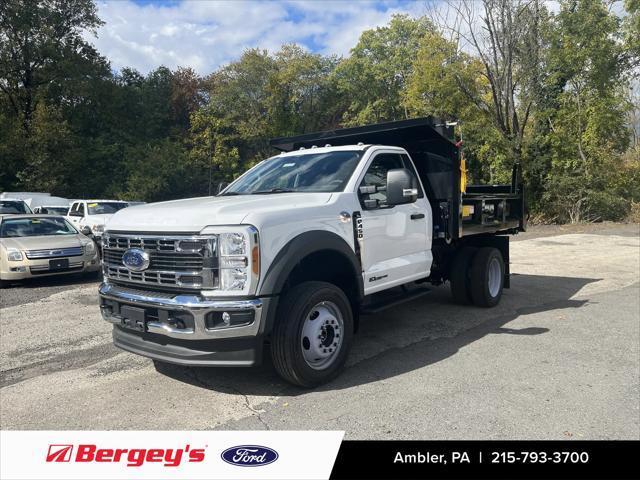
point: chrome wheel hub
(322, 335)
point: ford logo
(249, 455)
(136, 259)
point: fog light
(237, 318)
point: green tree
(50, 139)
(373, 79)
(445, 83)
(587, 133)
(302, 92)
(41, 43)
(159, 170)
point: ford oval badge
(136, 259)
(249, 455)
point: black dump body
(481, 209)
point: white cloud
(206, 34)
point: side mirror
(86, 230)
(402, 187)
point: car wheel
(313, 334)
(460, 276)
(487, 277)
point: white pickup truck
(297, 249)
(90, 216)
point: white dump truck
(295, 252)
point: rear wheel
(487, 277)
(313, 334)
(459, 275)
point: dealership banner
(167, 454)
(300, 455)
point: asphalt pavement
(558, 358)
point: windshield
(54, 210)
(99, 208)
(13, 206)
(312, 172)
(35, 227)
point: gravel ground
(558, 358)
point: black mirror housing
(86, 230)
(402, 187)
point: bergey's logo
(249, 455)
(59, 453)
(131, 457)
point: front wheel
(313, 334)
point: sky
(204, 34)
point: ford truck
(292, 256)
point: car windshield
(54, 210)
(35, 227)
(13, 206)
(99, 208)
(311, 172)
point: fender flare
(290, 256)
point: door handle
(417, 216)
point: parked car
(296, 251)
(10, 206)
(52, 209)
(48, 204)
(93, 214)
(40, 245)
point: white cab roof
(340, 148)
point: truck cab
(298, 249)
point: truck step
(378, 305)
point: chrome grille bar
(54, 253)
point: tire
(487, 277)
(295, 358)
(460, 276)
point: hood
(50, 242)
(193, 214)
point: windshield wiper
(273, 190)
(228, 194)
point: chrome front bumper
(195, 305)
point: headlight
(238, 260)
(89, 247)
(98, 228)
(233, 244)
(14, 255)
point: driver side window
(377, 175)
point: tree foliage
(557, 92)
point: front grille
(160, 260)
(175, 262)
(54, 253)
